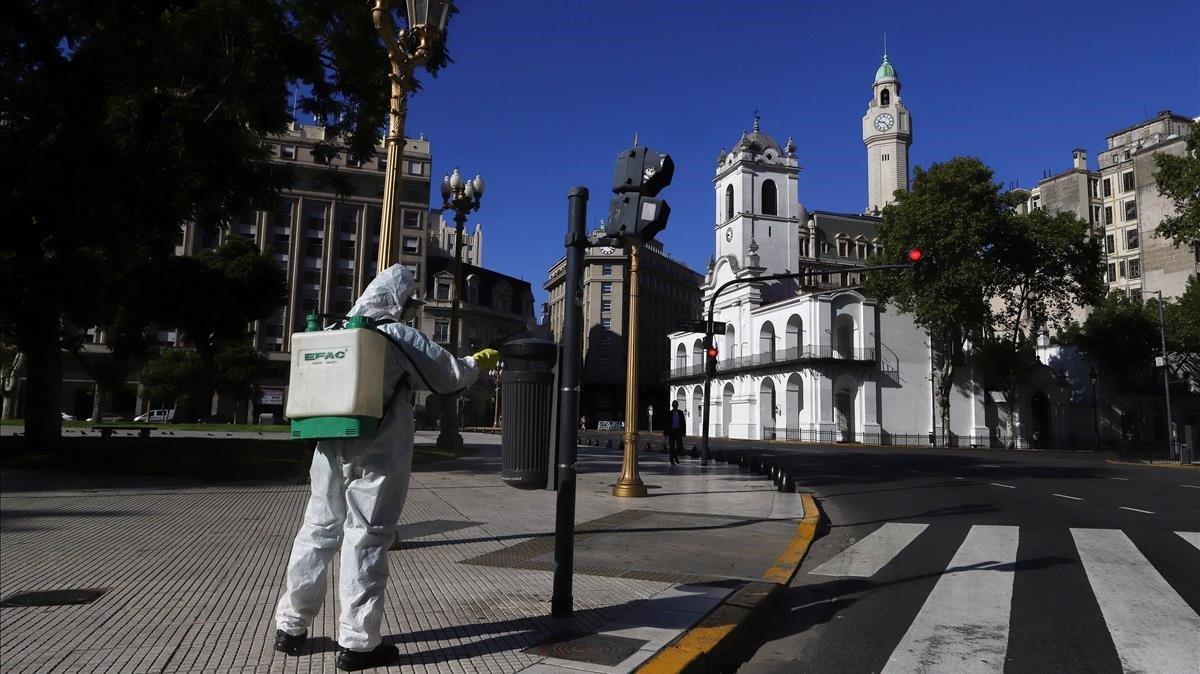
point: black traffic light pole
(710, 362)
(568, 410)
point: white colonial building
(815, 359)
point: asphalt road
(951, 560)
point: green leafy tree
(955, 213)
(1049, 265)
(1121, 336)
(179, 377)
(236, 364)
(1182, 320)
(123, 120)
(1178, 179)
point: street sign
(693, 325)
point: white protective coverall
(359, 485)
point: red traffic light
(914, 255)
(712, 352)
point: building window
(1131, 239)
(885, 98)
(605, 305)
(314, 247)
(606, 323)
(1108, 215)
(804, 248)
(345, 279)
(1121, 269)
(887, 157)
(412, 219)
(606, 288)
(861, 250)
(1135, 295)
(179, 236)
(1095, 214)
(1093, 188)
(824, 247)
(1107, 187)
(441, 330)
(1127, 181)
(416, 168)
(1110, 244)
(346, 249)
(770, 198)
(843, 248)
(280, 244)
(441, 289)
(412, 245)
(312, 277)
(1035, 203)
(606, 269)
(287, 151)
(729, 202)
(1135, 269)
(1131, 210)
(1112, 272)
(413, 269)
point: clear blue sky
(542, 96)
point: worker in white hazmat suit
(359, 486)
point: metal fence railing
(783, 356)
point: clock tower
(887, 133)
(758, 210)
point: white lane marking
(866, 557)
(1193, 486)
(1119, 478)
(1192, 537)
(960, 478)
(989, 465)
(1007, 486)
(1073, 498)
(1145, 616)
(963, 625)
(1136, 510)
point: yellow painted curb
(690, 650)
(1151, 465)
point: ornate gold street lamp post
(630, 483)
(407, 50)
(462, 197)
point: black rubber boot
(286, 643)
(352, 661)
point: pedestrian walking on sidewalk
(359, 486)
(675, 427)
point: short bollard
(663, 449)
(743, 461)
(773, 473)
(787, 485)
(760, 465)
(720, 456)
(608, 445)
(695, 453)
(649, 447)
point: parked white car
(156, 416)
(67, 417)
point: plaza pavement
(192, 571)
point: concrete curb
(715, 643)
(1154, 465)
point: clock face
(884, 122)
(608, 250)
(729, 234)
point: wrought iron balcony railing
(774, 358)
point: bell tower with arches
(758, 211)
(887, 133)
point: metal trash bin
(527, 387)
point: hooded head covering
(386, 295)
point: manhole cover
(596, 649)
(52, 598)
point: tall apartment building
(1133, 208)
(668, 292)
(441, 238)
(1121, 202)
(324, 235)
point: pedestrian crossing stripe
(963, 624)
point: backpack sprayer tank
(335, 387)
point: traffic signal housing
(634, 214)
(914, 257)
(710, 360)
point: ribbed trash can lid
(534, 349)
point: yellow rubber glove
(486, 359)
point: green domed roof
(885, 70)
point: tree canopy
(123, 120)
(1178, 179)
(990, 275)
